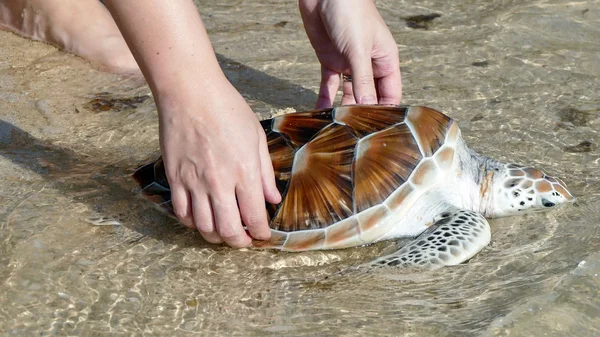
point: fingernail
(368, 100)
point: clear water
(522, 78)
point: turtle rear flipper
(456, 236)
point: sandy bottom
(521, 77)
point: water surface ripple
(521, 77)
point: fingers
(227, 220)
(195, 212)
(363, 83)
(252, 209)
(347, 93)
(181, 204)
(217, 217)
(389, 85)
(203, 217)
(252, 193)
(218, 166)
(217, 209)
(388, 89)
(352, 37)
(269, 188)
(330, 82)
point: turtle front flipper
(456, 236)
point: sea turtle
(354, 175)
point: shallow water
(522, 78)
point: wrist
(185, 88)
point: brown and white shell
(346, 174)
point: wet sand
(521, 77)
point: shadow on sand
(107, 187)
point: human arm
(214, 149)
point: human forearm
(170, 43)
(215, 151)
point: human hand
(215, 151)
(350, 37)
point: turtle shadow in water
(106, 188)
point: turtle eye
(547, 203)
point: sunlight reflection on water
(521, 77)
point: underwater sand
(521, 77)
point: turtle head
(520, 190)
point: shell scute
(320, 191)
(372, 223)
(301, 127)
(347, 175)
(364, 120)
(384, 161)
(444, 157)
(425, 174)
(430, 127)
(453, 134)
(277, 240)
(306, 240)
(152, 179)
(282, 155)
(399, 198)
(343, 234)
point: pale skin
(66, 25)
(215, 151)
